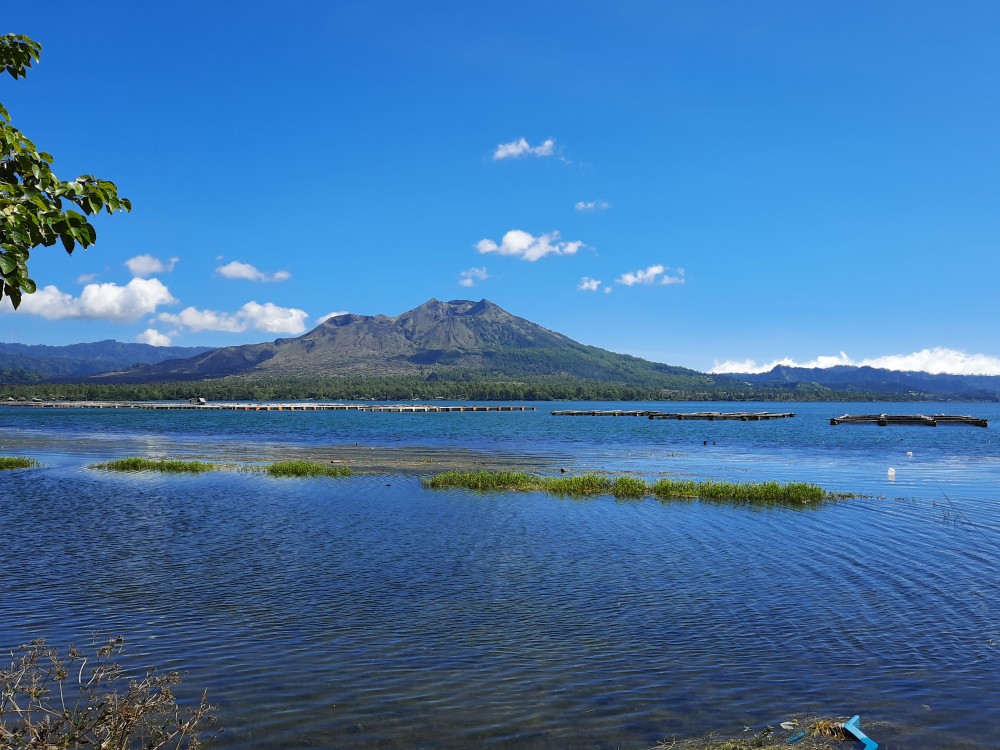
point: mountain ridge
(457, 335)
(462, 341)
(38, 361)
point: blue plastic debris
(796, 737)
(851, 725)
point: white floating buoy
(892, 473)
(909, 453)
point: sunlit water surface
(368, 612)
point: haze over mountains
(455, 340)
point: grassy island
(305, 469)
(793, 494)
(17, 462)
(167, 465)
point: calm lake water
(368, 612)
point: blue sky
(699, 183)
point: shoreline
(360, 458)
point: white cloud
(528, 247)
(267, 317)
(936, 361)
(85, 278)
(653, 275)
(237, 270)
(146, 265)
(99, 301)
(204, 320)
(329, 315)
(519, 148)
(588, 284)
(599, 205)
(153, 337)
(470, 277)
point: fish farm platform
(883, 420)
(224, 406)
(711, 416)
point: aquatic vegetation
(483, 480)
(629, 487)
(50, 699)
(168, 465)
(305, 469)
(750, 493)
(584, 484)
(17, 462)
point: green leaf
(35, 203)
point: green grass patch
(483, 480)
(629, 487)
(747, 493)
(170, 466)
(17, 462)
(794, 494)
(305, 469)
(585, 484)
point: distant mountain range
(462, 341)
(847, 379)
(27, 363)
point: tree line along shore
(542, 388)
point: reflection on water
(367, 612)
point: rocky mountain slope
(436, 337)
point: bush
(48, 700)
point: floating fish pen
(601, 413)
(203, 406)
(884, 420)
(711, 416)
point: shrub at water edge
(50, 699)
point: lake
(368, 612)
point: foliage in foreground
(168, 465)
(51, 700)
(17, 462)
(32, 199)
(305, 469)
(794, 494)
